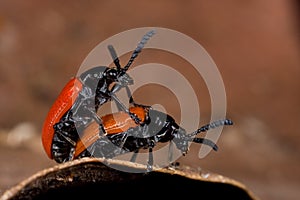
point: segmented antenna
(139, 48)
(206, 142)
(212, 125)
(114, 56)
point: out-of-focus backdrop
(255, 45)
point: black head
(117, 75)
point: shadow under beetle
(123, 135)
(79, 101)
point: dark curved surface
(95, 180)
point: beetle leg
(63, 147)
(132, 102)
(129, 94)
(117, 87)
(134, 155)
(72, 142)
(126, 110)
(65, 134)
(98, 120)
(150, 160)
(170, 154)
(123, 140)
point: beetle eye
(112, 73)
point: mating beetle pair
(78, 102)
(129, 130)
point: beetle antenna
(139, 48)
(206, 142)
(114, 56)
(212, 125)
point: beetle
(77, 104)
(123, 135)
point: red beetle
(78, 102)
(123, 135)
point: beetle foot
(149, 168)
(174, 165)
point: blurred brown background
(255, 45)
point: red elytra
(113, 123)
(62, 104)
